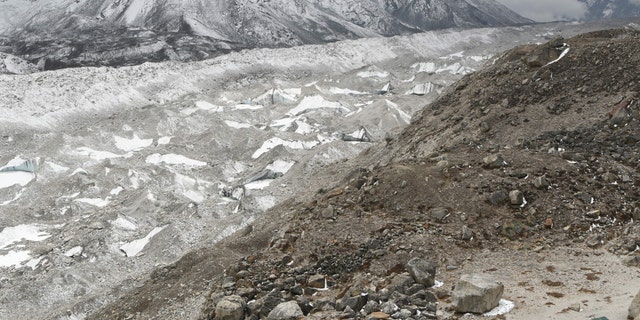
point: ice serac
(134, 31)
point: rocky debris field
(513, 194)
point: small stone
(631, 261)
(438, 214)
(328, 212)
(355, 303)
(402, 314)
(378, 315)
(285, 311)
(548, 223)
(609, 177)
(316, 281)
(370, 307)
(423, 271)
(498, 197)
(230, 308)
(349, 313)
(541, 183)
(476, 293)
(493, 161)
(575, 307)
(389, 307)
(516, 197)
(593, 214)
(634, 308)
(467, 234)
(594, 241)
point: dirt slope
(556, 127)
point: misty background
(548, 10)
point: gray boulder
(285, 311)
(476, 293)
(423, 271)
(493, 161)
(634, 308)
(230, 308)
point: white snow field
(138, 165)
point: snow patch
(176, 159)
(11, 178)
(134, 247)
(315, 102)
(14, 259)
(99, 155)
(503, 307)
(237, 125)
(116, 191)
(203, 105)
(281, 166)
(56, 167)
(274, 142)
(564, 53)
(98, 202)
(428, 67)
(133, 144)
(258, 185)
(24, 232)
(74, 252)
(336, 90)
(124, 224)
(244, 106)
(373, 74)
(164, 140)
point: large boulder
(476, 293)
(634, 308)
(230, 308)
(289, 310)
(423, 271)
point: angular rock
(634, 308)
(467, 233)
(289, 310)
(498, 197)
(400, 283)
(230, 308)
(438, 214)
(631, 261)
(378, 315)
(316, 281)
(493, 161)
(389, 307)
(423, 271)
(516, 197)
(476, 293)
(541, 183)
(355, 303)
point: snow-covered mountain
(606, 9)
(115, 32)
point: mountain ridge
(99, 32)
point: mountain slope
(99, 32)
(611, 9)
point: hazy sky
(547, 10)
